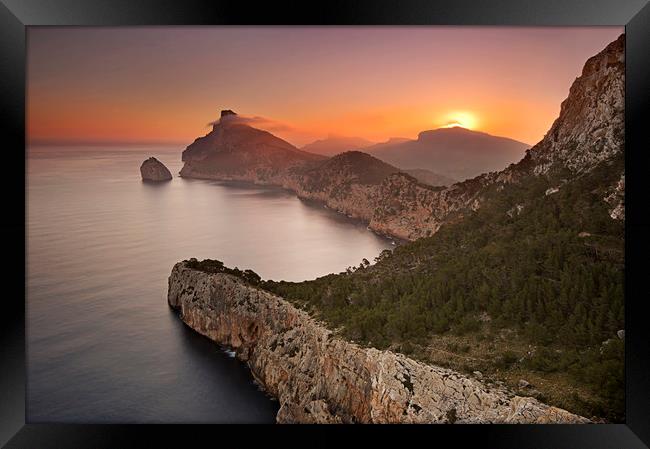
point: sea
(102, 344)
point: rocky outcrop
(616, 200)
(319, 378)
(590, 128)
(153, 170)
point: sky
(166, 84)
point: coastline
(317, 377)
(395, 240)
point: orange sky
(165, 84)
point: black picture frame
(16, 15)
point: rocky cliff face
(348, 183)
(155, 171)
(590, 128)
(319, 378)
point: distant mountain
(234, 150)
(455, 152)
(336, 144)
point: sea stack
(152, 170)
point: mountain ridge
(455, 152)
(333, 145)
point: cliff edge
(319, 378)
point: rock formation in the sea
(589, 130)
(318, 377)
(153, 170)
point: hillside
(524, 283)
(430, 178)
(525, 287)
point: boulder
(154, 171)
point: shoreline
(395, 240)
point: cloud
(264, 123)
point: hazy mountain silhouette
(458, 153)
(333, 145)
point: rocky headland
(318, 377)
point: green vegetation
(217, 266)
(529, 286)
(550, 271)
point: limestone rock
(616, 199)
(155, 171)
(320, 378)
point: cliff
(319, 378)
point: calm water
(103, 346)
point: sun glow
(460, 119)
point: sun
(460, 119)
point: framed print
(347, 213)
